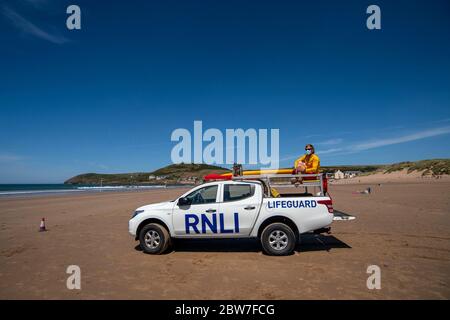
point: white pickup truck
(232, 209)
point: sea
(11, 190)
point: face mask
(308, 152)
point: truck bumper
(132, 227)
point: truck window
(203, 195)
(234, 192)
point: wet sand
(403, 228)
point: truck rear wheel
(278, 239)
(154, 239)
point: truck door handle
(250, 207)
(211, 210)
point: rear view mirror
(184, 201)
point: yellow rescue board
(259, 172)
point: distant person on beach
(366, 191)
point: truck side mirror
(184, 202)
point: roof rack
(290, 181)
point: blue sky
(106, 98)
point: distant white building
(329, 175)
(339, 175)
(351, 174)
(151, 177)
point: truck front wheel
(154, 239)
(278, 239)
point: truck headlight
(136, 213)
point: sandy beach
(393, 177)
(404, 228)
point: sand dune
(396, 177)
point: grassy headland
(174, 173)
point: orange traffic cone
(42, 226)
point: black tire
(283, 245)
(154, 239)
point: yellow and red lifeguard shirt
(312, 163)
